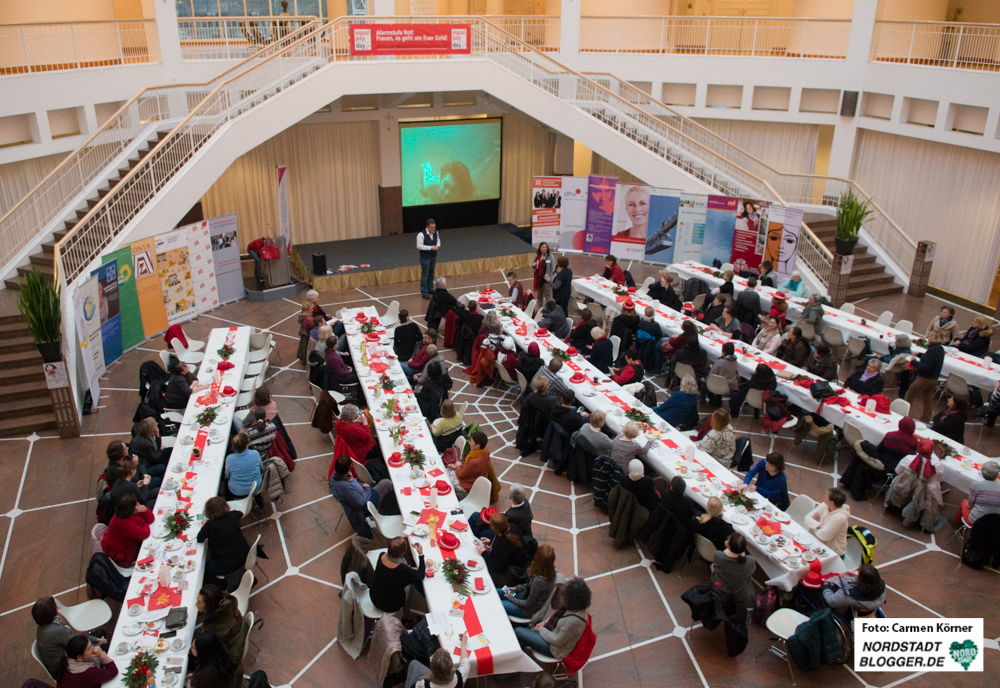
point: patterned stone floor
(643, 628)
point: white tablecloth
(975, 371)
(507, 656)
(209, 474)
(666, 454)
(873, 427)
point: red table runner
(473, 626)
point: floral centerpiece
(561, 354)
(389, 406)
(456, 574)
(737, 498)
(396, 433)
(226, 351)
(919, 341)
(140, 669)
(637, 415)
(415, 457)
(943, 449)
(386, 383)
(506, 312)
(177, 523)
(208, 416)
(367, 328)
(620, 291)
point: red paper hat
(812, 580)
(442, 485)
(629, 304)
(228, 391)
(571, 351)
(395, 456)
(631, 290)
(578, 377)
(372, 337)
(541, 332)
(688, 306)
(362, 317)
(780, 295)
(449, 540)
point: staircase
(868, 278)
(44, 261)
(25, 404)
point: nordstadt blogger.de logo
(908, 645)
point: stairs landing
(868, 278)
(25, 404)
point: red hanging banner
(411, 39)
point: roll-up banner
(226, 253)
(662, 228)
(88, 332)
(600, 214)
(200, 256)
(284, 216)
(784, 229)
(749, 234)
(690, 227)
(628, 238)
(130, 312)
(109, 309)
(147, 287)
(174, 271)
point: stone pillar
(923, 261)
(569, 29)
(840, 275)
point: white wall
(46, 11)
(978, 11)
(912, 10)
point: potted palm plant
(851, 215)
(39, 304)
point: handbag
(821, 390)
(269, 251)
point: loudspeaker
(319, 263)
(849, 104)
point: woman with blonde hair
(976, 340)
(711, 526)
(720, 442)
(442, 672)
(676, 409)
(624, 448)
(447, 427)
(526, 599)
(663, 291)
(593, 434)
(325, 332)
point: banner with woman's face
(628, 238)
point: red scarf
(921, 464)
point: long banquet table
(978, 372)
(960, 470)
(666, 456)
(197, 481)
(481, 615)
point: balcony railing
(28, 48)
(233, 38)
(931, 44)
(732, 36)
(540, 32)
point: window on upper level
(249, 8)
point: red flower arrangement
(140, 669)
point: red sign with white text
(411, 39)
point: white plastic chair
(389, 526)
(706, 550)
(258, 356)
(504, 375)
(521, 380)
(193, 344)
(248, 620)
(38, 658)
(885, 318)
(852, 560)
(460, 444)
(799, 508)
(783, 623)
(644, 289)
(244, 505)
(391, 317)
(904, 326)
(374, 554)
(165, 360)
(900, 406)
(596, 310)
(86, 615)
(478, 497)
(529, 308)
(260, 340)
(168, 442)
(362, 473)
(616, 342)
(187, 355)
(243, 400)
(847, 308)
(717, 385)
(249, 384)
(462, 409)
(537, 317)
(252, 556)
(242, 593)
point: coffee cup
(122, 648)
(174, 560)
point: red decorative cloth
(175, 332)
(450, 328)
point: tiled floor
(47, 507)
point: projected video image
(450, 163)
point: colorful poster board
(109, 309)
(174, 271)
(130, 313)
(661, 230)
(410, 39)
(749, 234)
(86, 302)
(783, 233)
(690, 227)
(226, 254)
(199, 243)
(631, 218)
(546, 210)
(284, 218)
(147, 287)
(600, 214)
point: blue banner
(110, 310)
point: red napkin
(769, 527)
(136, 600)
(226, 365)
(144, 561)
(191, 552)
(670, 443)
(459, 525)
(208, 400)
(471, 563)
(379, 367)
(480, 585)
(435, 472)
(427, 514)
(406, 491)
(164, 597)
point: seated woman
(564, 624)
(678, 503)
(733, 569)
(354, 496)
(580, 337)
(476, 465)
(261, 433)
(768, 339)
(216, 667)
(771, 481)
(442, 672)
(526, 599)
(243, 469)
(829, 521)
(917, 488)
(822, 363)
(640, 485)
(866, 380)
(507, 357)
(710, 524)
(663, 291)
(393, 576)
(146, 445)
(127, 530)
(679, 405)
(593, 433)
(863, 590)
(528, 362)
(352, 428)
(624, 448)
(222, 619)
(519, 516)
(124, 484)
(448, 427)
(951, 421)
(536, 409)
(720, 442)
(87, 665)
(434, 391)
(503, 551)
(613, 271)
(336, 365)
(227, 547)
(976, 340)
(53, 634)
(322, 335)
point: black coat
(716, 530)
(531, 424)
(528, 364)
(625, 326)
(712, 604)
(697, 358)
(607, 475)
(870, 387)
(665, 295)
(562, 285)
(570, 420)
(441, 302)
(816, 642)
(580, 463)
(555, 447)
(666, 537)
(580, 337)
(431, 394)
(601, 354)
(405, 340)
(951, 426)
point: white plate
(921, 426)
(782, 517)
(160, 532)
(761, 539)
(170, 484)
(478, 565)
(793, 562)
(422, 482)
(421, 530)
(739, 519)
(808, 556)
(173, 545)
(819, 551)
(136, 610)
(187, 440)
(132, 628)
(804, 538)
(222, 420)
(177, 467)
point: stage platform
(393, 259)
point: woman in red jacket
(128, 528)
(613, 271)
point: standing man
(428, 243)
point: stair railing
(19, 226)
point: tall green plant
(39, 304)
(851, 215)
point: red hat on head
(629, 304)
(780, 295)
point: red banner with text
(411, 39)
